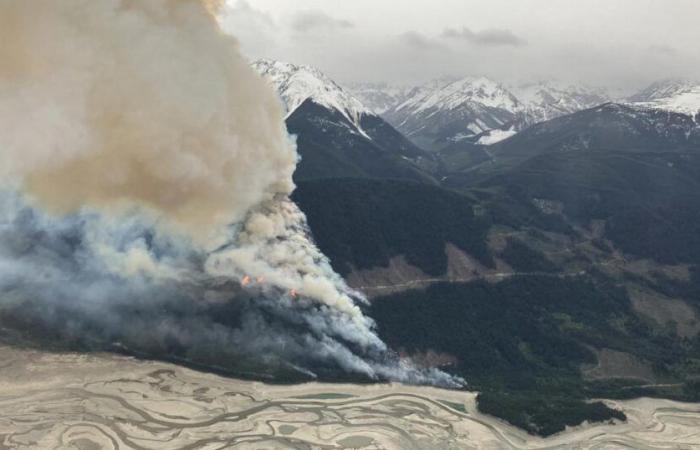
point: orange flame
(245, 281)
(293, 293)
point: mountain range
(423, 133)
(477, 110)
(557, 264)
(337, 135)
(474, 109)
(469, 110)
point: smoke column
(145, 205)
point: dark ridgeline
(330, 146)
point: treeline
(544, 415)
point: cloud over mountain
(314, 21)
(488, 37)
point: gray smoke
(146, 200)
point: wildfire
(247, 280)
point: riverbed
(103, 401)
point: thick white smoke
(147, 176)
(114, 103)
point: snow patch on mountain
(495, 136)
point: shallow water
(104, 401)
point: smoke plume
(145, 205)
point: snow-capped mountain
(440, 113)
(483, 111)
(297, 83)
(545, 100)
(467, 90)
(337, 135)
(680, 96)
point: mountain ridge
(484, 111)
(338, 136)
(297, 83)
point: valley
(228, 224)
(565, 254)
(554, 267)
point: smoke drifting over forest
(145, 205)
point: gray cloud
(418, 40)
(491, 36)
(308, 21)
(243, 7)
(608, 44)
(256, 30)
(661, 49)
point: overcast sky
(614, 43)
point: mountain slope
(337, 136)
(438, 114)
(331, 147)
(295, 84)
(482, 111)
(610, 126)
(636, 170)
(670, 95)
(547, 100)
(379, 97)
(566, 268)
(363, 224)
